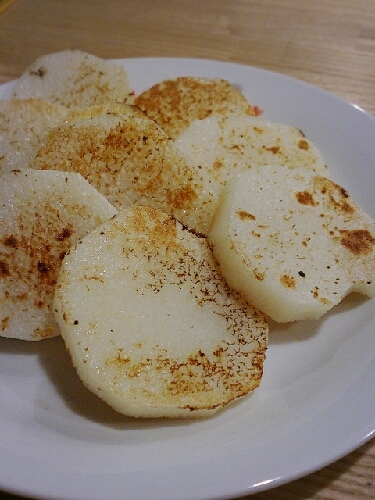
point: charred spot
(10, 241)
(4, 269)
(193, 231)
(39, 72)
(62, 255)
(302, 274)
(344, 193)
(43, 267)
(243, 215)
(357, 241)
(305, 198)
(64, 234)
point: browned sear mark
(303, 144)
(357, 241)
(4, 323)
(336, 196)
(4, 269)
(273, 149)
(10, 241)
(305, 198)
(64, 234)
(259, 276)
(288, 281)
(243, 215)
(39, 72)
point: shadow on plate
(300, 331)
(58, 367)
(56, 364)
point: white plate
(316, 401)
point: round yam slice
(129, 159)
(225, 145)
(150, 324)
(292, 242)
(42, 214)
(222, 146)
(75, 79)
(23, 125)
(174, 104)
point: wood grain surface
(329, 43)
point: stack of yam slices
(178, 221)
(129, 159)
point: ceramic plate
(316, 402)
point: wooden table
(330, 43)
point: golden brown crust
(41, 217)
(128, 159)
(174, 104)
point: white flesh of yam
(75, 79)
(222, 146)
(294, 243)
(150, 324)
(23, 125)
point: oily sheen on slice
(129, 159)
(293, 242)
(42, 214)
(150, 324)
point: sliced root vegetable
(150, 324)
(129, 159)
(174, 104)
(294, 243)
(223, 146)
(23, 125)
(42, 214)
(75, 79)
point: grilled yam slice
(294, 243)
(174, 104)
(222, 146)
(41, 215)
(129, 159)
(150, 324)
(75, 79)
(23, 125)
